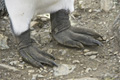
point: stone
(8, 67)
(90, 53)
(35, 76)
(85, 78)
(33, 23)
(63, 51)
(14, 62)
(3, 42)
(86, 50)
(63, 69)
(21, 66)
(44, 17)
(93, 57)
(31, 71)
(106, 5)
(88, 70)
(76, 61)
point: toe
(73, 43)
(86, 40)
(29, 59)
(46, 61)
(37, 56)
(44, 54)
(86, 32)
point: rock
(40, 76)
(76, 61)
(35, 76)
(106, 5)
(90, 53)
(8, 67)
(44, 17)
(33, 23)
(21, 66)
(88, 4)
(86, 50)
(93, 57)
(61, 58)
(31, 71)
(116, 52)
(50, 51)
(45, 37)
(88, 70)
(90, 10)
(3, 42)
(63, 51)
(63, 69)
(14, 63)
(85, 78)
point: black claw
(98, 43)
(54, 64)
(40, 65)
(31, 53)
(35, 59)
(28, 59)
(47, 55)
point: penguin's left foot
(64, 34)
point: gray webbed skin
(62, 31)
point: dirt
(105, 65)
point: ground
(102, 62)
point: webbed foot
(63, 33)
(31, 53)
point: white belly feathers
(22, 11)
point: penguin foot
(77, 37)
(37, 58)
(30, 52)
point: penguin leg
(65, 34)
(30, 52)
(21, 13)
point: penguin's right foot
(30, 52)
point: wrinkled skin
(65, 34)
(62, 32)
(30, 52)
(75, 37)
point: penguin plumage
(22, 11)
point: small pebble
(116, 52)
(88, 70)
(90, 53)
(3, 42)
(85, 78)
(86, 50)
(76, 61)
(34, 76)
(93, 57)
(33, 23)
(21, 66)
(14, 62)
(90, 10)
(31, 71)
(63, 69)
